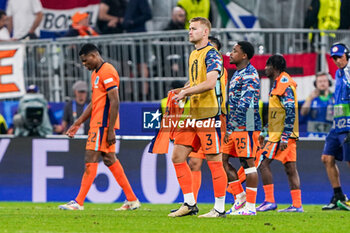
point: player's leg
(333, 151)
(219, 180)
(195, 164)
(184, 177)
(91, 163)
(267, 179)
(234, 185)
(294, 184)
(345, 205)
(114, 165)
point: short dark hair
(278, 62)
(215, 41)
(247, 48)
(2, 12)
(88, 48)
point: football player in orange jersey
(103, 110)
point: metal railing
(148, 63)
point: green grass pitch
(46, 217)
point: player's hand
(226, 138)
(180, 96)
(110, 137)
(283, 146)
(261, 140)
(314, 94)
(72, 130)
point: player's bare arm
(200, 88)
(113, 97)
(76, 125)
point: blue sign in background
(16, 173)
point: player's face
(340, 62)
(322, 83)
(269, 71)
(236, 55)
(88, 61)
(196, 32)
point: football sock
(296, 197)
(196, 182)
(241, 175)
(119, 175)
(269, 193)
(236, 187)
(219, 178)
(184, 176)
(251, 195)
(189, 199)
(338, 193)
(220, 204)
(86, 182)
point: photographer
(318, 107)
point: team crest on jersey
(284, 79)
(96, 81)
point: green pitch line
(46, 217)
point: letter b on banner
(149, 178)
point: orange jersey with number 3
(103, 79)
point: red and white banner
(11, 71)
(301, 67)
(58, 13)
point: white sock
(241, 195)
(220, 204)
(189, 199)
(250, 206)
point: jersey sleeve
(110, 78)
(288, 101)
(213, 61)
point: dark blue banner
(41, 170)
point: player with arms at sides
(337, 146)
(283, 131)
(103, 109)
(243, 128)
(206, 104)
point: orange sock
(241, 175)
(86, 182)
(236, 187)
(269, 193)
(184, 176)
(119, 175)
(296, 197)
(251, 195)
(196, 182)
(219, 178)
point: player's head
(275, 65)
(340, 54)
(90, 56)
(241, 51)
(322, 81)
(215, 42)
(199, 29)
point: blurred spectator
(32, 118)
(3, 125)
(24, 18)
(74, 108)
(195, 8)
(111, 16)
(178, 19)
(137, 13)
(4, 33)
(80, 26)
(318, 107)
(323, 15)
